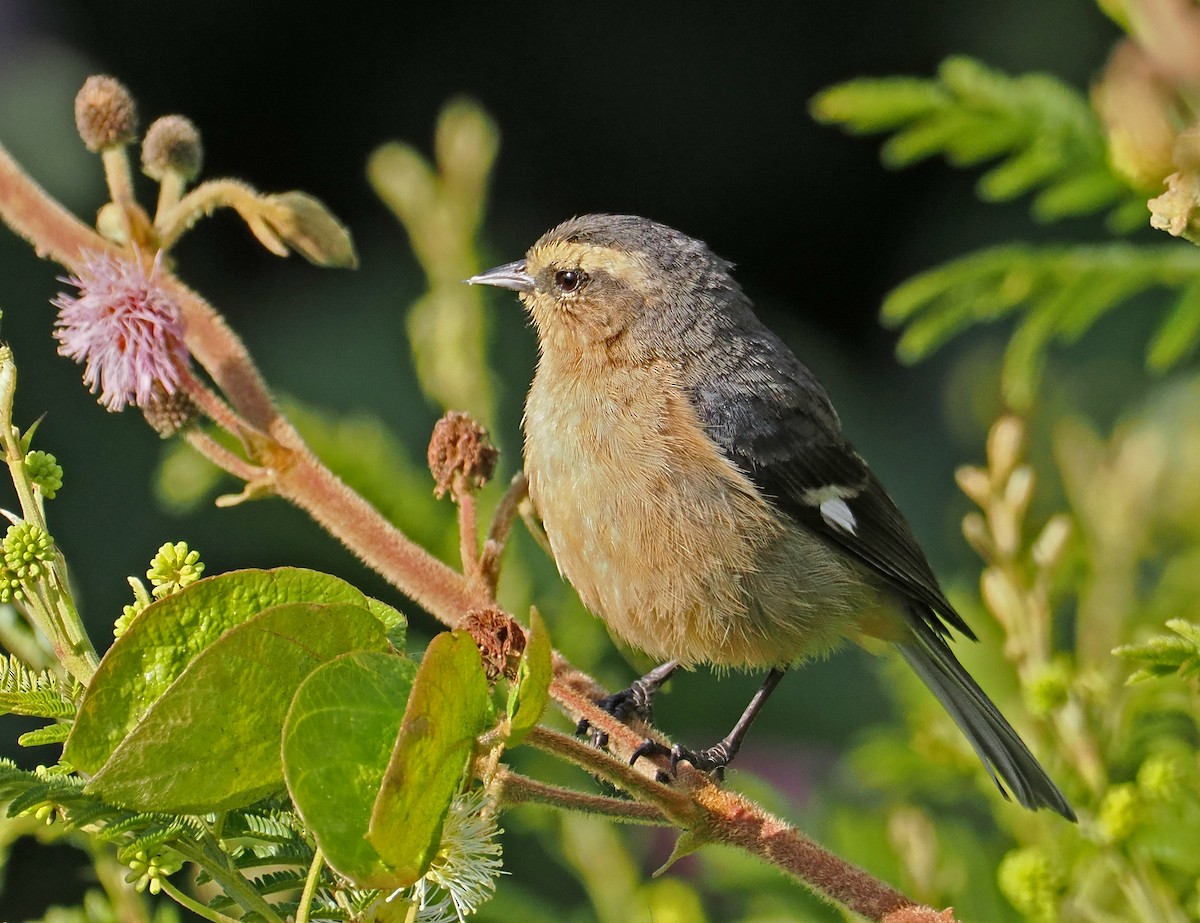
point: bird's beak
(510, 275)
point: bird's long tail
(1004, 754)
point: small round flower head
(1033, 882)
(45, 472)
(173, 568)
(125, 329)
(10, 586)
(27, 550)
(172, 144)
(460, 449)
(105, 113)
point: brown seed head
(172, 143)
(460, 454)
(167, 414)
(105, 114)
(500, 640)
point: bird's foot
(635, 702)
(711, 760)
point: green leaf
(211, 741)
(529, 695)
(448, 708)
(1166, 655)
(868, 105)
(1047, 131)
(34, 693)
(1080, 194)
(337, 740)
(160, 643)
(1060, 291)
(1179, 333)
(50, 734)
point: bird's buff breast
(659, 534)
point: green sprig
(1044, 132)
(1177, 653)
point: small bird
(697, 490)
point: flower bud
(1047, 690)
(1002, 597)
(499, 638)
(45, 472)
(28, 548)
(975, 483)
(460, 452)
(1032, 881)
(167, 413)
(1120, 813)
(1004, 444)
(172, 145)
(105, 114)
(1052, 541)
(1164, 776)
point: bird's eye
(570, 280)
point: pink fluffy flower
(125, 329)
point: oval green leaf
(211, 741)
(338, 737)
(160, 643)
(529, 694)
(448, 708)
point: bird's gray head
(629, 286)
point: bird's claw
(711, 760)
(634, 702)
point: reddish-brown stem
(223, 355)
(301, 479)
(499, 530)
(516, 789)
(53, 231)
(209, 404)
(468, 528)
(724, 816)
(221, 456)
(733, 820)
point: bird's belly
(665, 540)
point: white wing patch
(837, 514)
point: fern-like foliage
(1049, 143)
(1061, 291)
(1045, 132)
(1166, 655)
(36, 693)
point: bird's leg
(720, 755)
(635, 702)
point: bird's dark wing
(777, 425)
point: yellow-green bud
(1033, 882)
(105, 114)
(10, 586)
(172, 144)
(1047, 690)
(1162, 776)
(173, 568)
(27, 549)
(45, 472)
(1120, 813)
